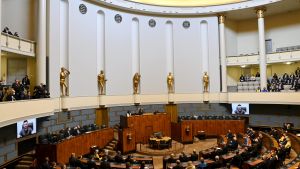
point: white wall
(283, 29)
(120, 47)
(20, 16)
(231, 37)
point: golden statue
(136, 83)
(205, 82)
(101, 82)
(64, 73)
(170, 82)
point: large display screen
(26, 128)
(240, 108)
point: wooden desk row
(79, 145)
(185, 130)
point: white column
(262, 48)
(135, 40)
(169, 47)
(204, 47)
(41, 43)
(223, 52)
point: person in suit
(190, 165)
(194, 156)
(73, 160)
(26, 81)
(202, 164)
(46, 164)
(105, 164)
(183, 157)
(118, 158)
(171, 159)
(237, 160)
(218, 163)
(129, 159)
(229, 134)
(178, 165)
(91, 164)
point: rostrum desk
(185, 130)
(79, 145)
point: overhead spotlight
(243, 66)
(288, 63)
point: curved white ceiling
(186, 3)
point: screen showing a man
(240, 108)
(26, 127)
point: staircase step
(115, 141)
(19, 166)
(27, 158)
(109, 147)
(24, 162)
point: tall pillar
(262, 47)
(171, 109)
(41, 43)
(223, 52)
(1, 76)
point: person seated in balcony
(194, 156)
(178, 165)
(247, 78)
(252, 78)
(264, 90)
(242, 78)
(183, 157)
(297, 71)
(257, 74)
(9, 95)
(258, 90)
(275, 76)
(26, 81)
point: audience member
(46, 164)
(202, 164)
(190, 165)
(183, 157)
(194, 156)
(178, 165)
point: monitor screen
(240, 108)
(26, 128)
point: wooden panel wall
(145, 125)
(79, 145)
(172, 110)
(124, 144)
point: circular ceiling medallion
(82, 8)
(186, 24)
(118, 18)
(152, 23)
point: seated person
(91, 163)
(229, 134)
(105, 164)
(257, 74)
(237, 160)
(218, 163)
(202, 164)
(96, 155)
(233, 144)
(194, 156)
(129, 159)
(118, 158)
(183, 157)
(171, 159)
(178, 165)
(242, 78)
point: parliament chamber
(150, 84)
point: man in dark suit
(171, 159)
(237, 160)
(91, 164)
(229, 135)
(194, 156)
(46, 164)
(73, 160)
(218, 163)
(118, 158)
(178, 165)
(183, 157)
(105, 164)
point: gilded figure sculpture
(170, 83)
(102, 82)
(64, 74)
(136, 83)
(205, 81)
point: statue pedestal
(171, 97)
(63, 103)
(205, 97)
(136, 99)
(100, 99)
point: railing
(252, 59)
(17, 45)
